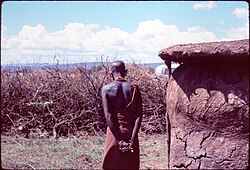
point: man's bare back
(119, 94)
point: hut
(207, 108)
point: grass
(73, 153)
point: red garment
(113, 157)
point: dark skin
(116, 96)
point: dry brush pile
(59, 101)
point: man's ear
(112, 76)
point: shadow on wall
(217, 93)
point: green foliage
(84, 152)
(70, 153)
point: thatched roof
(211, 50)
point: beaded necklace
(120, 79)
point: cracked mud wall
(208, 110)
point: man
(122, 104)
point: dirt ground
(73, 153)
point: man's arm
(138, 118)
(110, 118)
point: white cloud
(93, 26)
(3, 32)
(195, 29)
(240, 12)
(239, 32)
(78, 42)
(204, 5)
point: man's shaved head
(118, 67)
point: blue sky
(84, 30)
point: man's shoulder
(108, 87)
(115, 85)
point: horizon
(86, 62)
(87, 65)
(133, 31)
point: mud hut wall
(208, 108)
